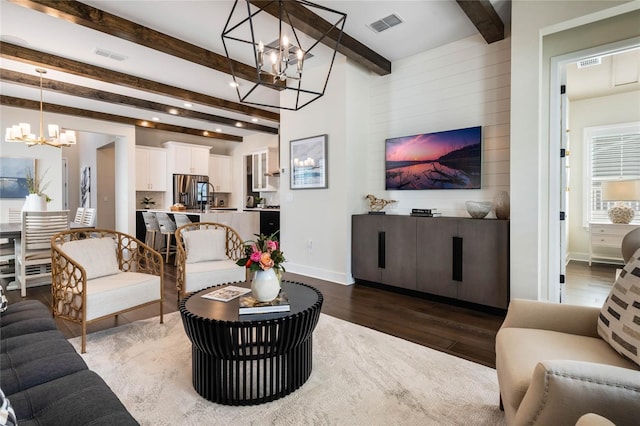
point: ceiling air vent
(385, 23)
(591, 62)
(108, 54)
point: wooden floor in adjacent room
(459, 331)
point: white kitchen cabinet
(262, 162)
(220, 174)
(151, 169)
(187, 159)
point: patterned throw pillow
(619, 320)
(4, 304)
(7, 415)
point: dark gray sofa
(46, 381)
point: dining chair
(33, 250)
(79, 214)
(7, 248)
(15, 215)
(89, 217)
(167, 227)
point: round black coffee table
(250, 359)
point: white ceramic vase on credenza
(35, 202)
(265, 285)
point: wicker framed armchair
(206, 255)
(101, 273)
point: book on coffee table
(227, 293)
(249, 305)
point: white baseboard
(322, 274)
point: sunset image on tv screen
(442, 160)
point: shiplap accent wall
(462, 84)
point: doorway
(560, 143)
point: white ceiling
(427, 24)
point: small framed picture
(309, 163)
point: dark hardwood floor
(460, 331)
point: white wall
(462, 84)
(530, 21)
(601, 111)
(316, 223)
(125, 159)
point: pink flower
(265, 261)
(272, 245)
(255, 256)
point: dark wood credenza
(458, 258)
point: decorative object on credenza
(279, 50)
(619, 191)
(309, 163)
(264, 257)
(478, 209)
(424, 213)
(503, 206)
(377, 204)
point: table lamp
(619, 191)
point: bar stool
(152, 227)
(181, 219)
(168, 228)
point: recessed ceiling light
(234, 84)
(187, 105)
(218, 130)
(145, 123)
(255, 120)
(205, 133)
(238, 124)
(155, 118)
(173, 111)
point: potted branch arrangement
(36, 200)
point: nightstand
(607, 235)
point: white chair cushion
(205, 274)
(114, 293)
(619, 319)
(96, 255)
(203, 245)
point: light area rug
(360, 377)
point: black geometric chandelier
(286, 59)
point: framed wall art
(13, 176)
(85, 186)
(309, 163)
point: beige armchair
(553, 367)
(100, 273)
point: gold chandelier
(22, 132)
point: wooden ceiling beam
(115, 98)
(61, 109)
(314, 26)
(485, 18)
(70, 66)
(99, 20)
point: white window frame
(589, 134)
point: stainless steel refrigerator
(185, 190)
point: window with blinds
(612, 157)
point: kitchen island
(247, 224)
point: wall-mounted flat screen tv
(442, 160)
